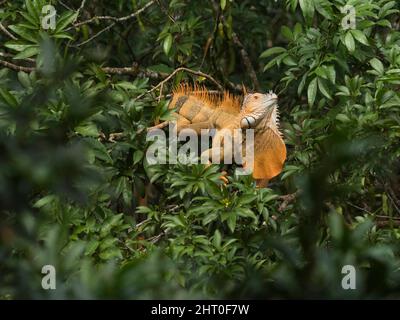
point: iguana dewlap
(196, 109)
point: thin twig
(4, 29)
(80, 8)
(198, 73)
(112, 18)
(387, 223)
(66, 6)
(9, 55)
(359, 208)
(95, 36)
(135, 70)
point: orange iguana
(195, 108)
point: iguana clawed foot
(224, 178)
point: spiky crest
(225, 101)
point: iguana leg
(158, 126)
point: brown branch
(135, 70)
(115, 19)
(246, 61)
(243, 53)
(387, 223)
(95, 36)
(9, 55)
(198, 73)
(8, 33)
(16, 67)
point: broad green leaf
(287, 33)
(65, 20)
(17, 46)
(27, 53)
(349, 42)
(360, 36)
(307, 7)
(8, 98)
(324, 90)
(91, 247)
(377, 65)
(24, 79)
(342, 117)
(312, 92)
(223, 4)
(272, 51)
(217, 239)
(167, 44)
(231, 221)
(24, 33)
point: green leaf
(137, 156)
(65, 20)
(32, 10)
(287, 33)
(44, 201)
(24, 79)
(17, 46)
(377, 65)
(217, 239)
(360, 36)
(312, 92)
(8, 98)
(349, 42)
(167, 44)
(331, 72)
(24, 33)
(27, 53)
(308, 9)
(232, 222)
(223, 4)
(91, 247)
(324, 90)
(342, 117)
(271, 51)
(88, 130)
(111, 254)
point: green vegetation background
(71, 189)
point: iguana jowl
(195, 108)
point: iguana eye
(256, 97)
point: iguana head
(258, 108)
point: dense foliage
(76, 191)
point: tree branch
(8, 33)
(198, 73)
(16, 67)
(135, 70)
(243, 53)
(115, 19)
